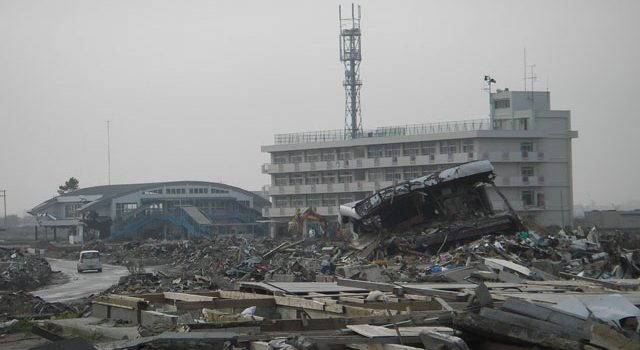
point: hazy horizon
(192, 89)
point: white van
(89, 260)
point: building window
(280, 180)
(282, 203)
(522, 124)
(375, 175)
(527, 198)
(411, 172)
(392, 151)
(411, 149)
(345, 177)
(155, 191)
(313, 178)
(296, 157)
(297, 202)
(392, 174)
(448, 147)
(329, 200)
(526, 147)
(313, 156)
(71, 210)
(314, 201)
(540, 200)
(328, 156)
(280, 159)
(345, 198)
(428, 148)
(374, 152)
(526, 171)
(329, 178)
(344, 154)
(125, 208)
(502, 103)
(296, 179)
(467, 146)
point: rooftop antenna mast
(350, 56)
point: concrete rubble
(20, 271)
(425, 264)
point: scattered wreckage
(455, 201)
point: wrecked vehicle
(455, 199)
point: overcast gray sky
(194, 88)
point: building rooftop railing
(400, 130)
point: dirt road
(79, 285)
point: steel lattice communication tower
(351, 55)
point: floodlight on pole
(490, 81)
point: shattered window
(467, 146)
(527, 198)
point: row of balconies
(333, 210)
(365, 163)
(289, 212)
(370, 186)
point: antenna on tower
(350, 56)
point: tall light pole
(490, 81)
(4, 198)
(108, 153)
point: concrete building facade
(528, 143)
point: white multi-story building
(528, 143)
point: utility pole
(4, 198)
(108, 153)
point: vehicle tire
(99, 270)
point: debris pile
(359, 314)
(20, 305)
(19, 271)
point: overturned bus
(455, 201)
